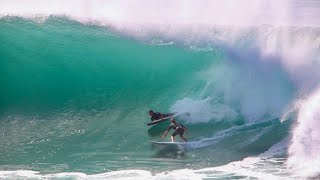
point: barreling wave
(71, 83)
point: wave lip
(230, 12)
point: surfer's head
(151, 112)
(172, 120)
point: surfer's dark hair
(150, 110)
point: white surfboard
(180, 145)
(169, 144)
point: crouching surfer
(179, 129)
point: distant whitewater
(78, 77)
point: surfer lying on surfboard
(157, 115)
(179, 129)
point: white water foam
(123, 175)
(304, 150)
(246, 84)
(264, 166)
(202, 111)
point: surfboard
(169, 144)
(158, 121)
(170, 115)
(179, 145)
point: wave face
(76, 85)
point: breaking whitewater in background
(78, 77)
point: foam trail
(305, 146)
(233, 131)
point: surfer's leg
(172, 138)
(173, 135)
(181, 136)
(181, 132)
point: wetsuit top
(156, 116)
(175, 126)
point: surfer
(157, 115)
(179, 129)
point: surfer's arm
(165, 133)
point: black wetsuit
(179, 129)
(158, 115)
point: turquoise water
(74, 98)
(92, 86)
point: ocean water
(78, 78)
